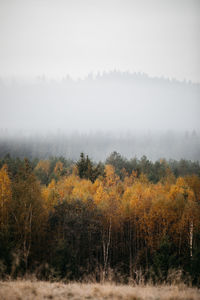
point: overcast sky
(75, 37)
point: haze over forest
(125, 110)
(131, 113)
(100, 145)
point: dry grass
(22, 290)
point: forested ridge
(72, 220)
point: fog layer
(115, 101)
(168, 145)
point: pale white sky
(59, 37)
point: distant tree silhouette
(86, 168)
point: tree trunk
(130, 252)
(191, 225)
(106, 246)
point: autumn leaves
(110, 220)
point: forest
(99, 144)
(121, 219)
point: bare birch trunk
(106, 246)
(27, 236)
(191, 225)
(130, 253)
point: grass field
(22, 290)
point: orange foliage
(154, 210)
(5, 196)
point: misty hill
(131, 113)
(109, 102)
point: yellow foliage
(5, 186)
(58, 168)
(111, 178)
(5, 195)
(154, 210)
(50, 195)
(43, 165)
(82, 190)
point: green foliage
(76, 233)
(86, 169)
(164, 259)
(195, 262)
(26, 211)
(118, 162)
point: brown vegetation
(45, 290)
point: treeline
(99, 145)
(79, 220)
(55, 167)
